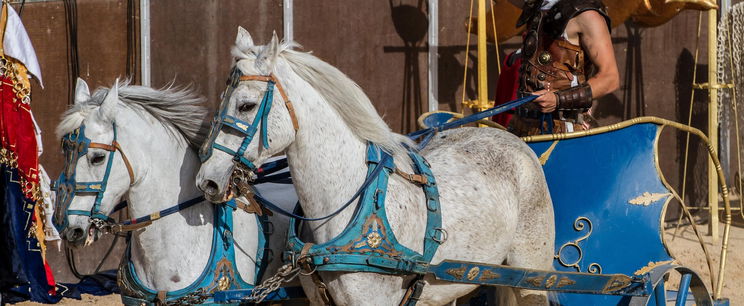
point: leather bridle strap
(116, 147)
(272, 78)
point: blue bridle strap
(248, 130)
(75, 146)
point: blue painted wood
(659, 298)
(592, 181)
(684, 288)
(477, 273)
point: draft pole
(482, 103)
(713, 87)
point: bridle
(248, 130)
(75, 145)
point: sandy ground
(684, 247)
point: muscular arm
(594, 38)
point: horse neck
(168, 169)
(327, 162)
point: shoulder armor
(564, 10)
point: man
(564, 41)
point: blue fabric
(22, 271)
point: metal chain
(194, 298)
(286, 274)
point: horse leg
(533, 245)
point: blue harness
(75, 145)
(368, 244)
(219, 274)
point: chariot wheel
(692, 290)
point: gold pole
(713, 119)
(482, 58)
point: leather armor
(549, 60)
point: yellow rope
(467, 58)
(495, 37)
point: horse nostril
(210, 187)
(75, 234)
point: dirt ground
(684, 247)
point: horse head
(95, 178)
(255, 120)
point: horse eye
(246, 107)
(97, 159)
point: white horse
(494, 199)
(157, 130)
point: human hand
(546, 101)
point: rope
(467, 58)
(495, 38)
(689, 122)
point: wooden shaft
(713, 119)
(482, 58)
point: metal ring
(444, 235)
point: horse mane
(179, 109)
(339, 91)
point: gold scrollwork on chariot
(580, 224)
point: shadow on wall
(697, 166)
(411, 24)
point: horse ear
(108, 107)
(271, 52)
(82, 93)
(244, 41)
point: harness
(368, 243)
(75, 145)
(248, 130)
(219, 274)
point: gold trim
(536, 281)
(617, 282)
(488, 275)
(473, 273)
(546, 155)
(579, 226)
(241, 126)
(551, 281)
(565, 281)
(651, 265)
(456, 272)
(647, 198)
